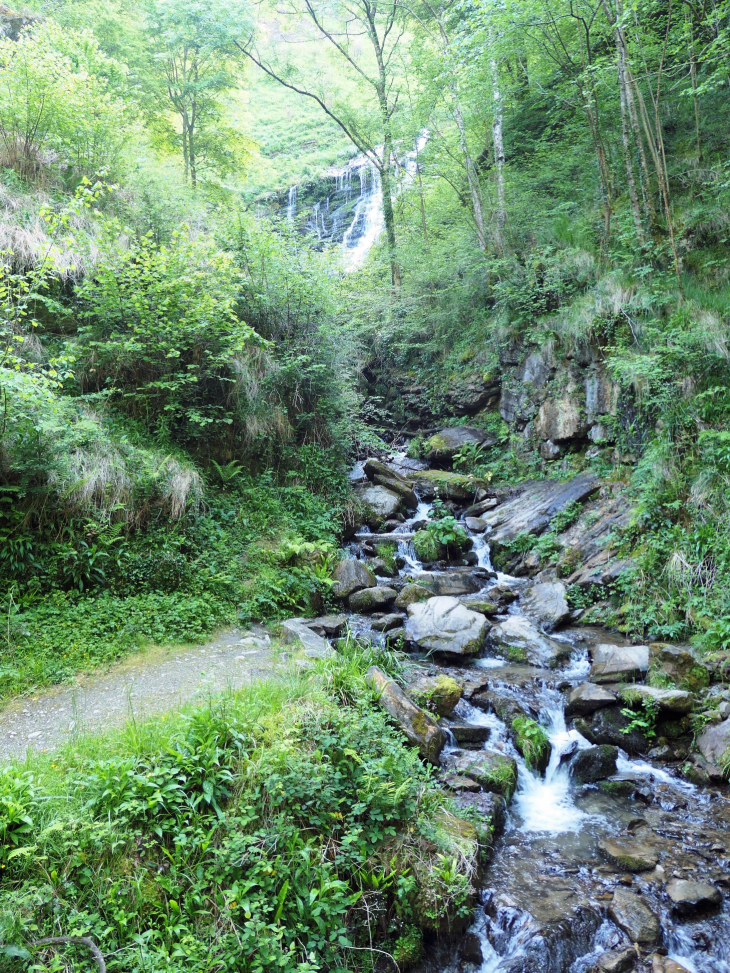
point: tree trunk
(499, 158)
(388, 211)
(471, 173)
(631, 182)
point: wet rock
(328, 626)
(371, 600)
(714, 745)
(386, 623)
(617, 788)
(490, 809)
(502, 594)
(496, 772)
(628, 855)
(420, 729)
(468, 735)
(594, 763)
(470, 949)
(608, 726)
(519, 640)
(296, 632)
(476, 510)
(681, 664)
(475, 524)
(663, 964)
(382, 568)
(374, 468)
(690, 898)
(617, 961)
(351, 576)
(412, 593)
(587, 698)
(632, 915)
(458, 582)
(677, 702)
(618, 663)
(438, 693)
(442, 447)
(545, 604)
(506, 707)
(444, 625)
(481, 604)
(448, 486)
(379, 504)
(535, 506)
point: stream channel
(552, 899)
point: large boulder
(533, 508)
(448, 486)
(561, 420)
(296, 632)
(371, 600)
(668, 702)
(594, 763)
(351, 576)
(689, 898)
(379, 504)
(545, 604)
(438, 693)
(374, 468)
(618, 663)
(681, 664)
(634, 917)
(420, 729)
(494, 771)
(403, 490)
(518, 639)
(714, 745)
(328, 626)
(458, 582)
(628, 854)
(587, 698)
(443, 446)
(444, 625)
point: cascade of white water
(291, 209)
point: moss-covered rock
(412, 593)
(427, 547)
(447, 486)
(532, 742)
(437, 693)
(496, 772)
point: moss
(408, 947)
(441, 695)
(427, 547)
(532, 742)
(616, 788)
(516, 653)
(387, 552)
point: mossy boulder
(495, 772)
(427, 547)
(412, 593)
(372, 600)
(532, 742)
(443, 446)
(448, 486)
(420, 728)
(437, 693)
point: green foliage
(642, 714)
(532, 742)
(306, 824)
(442, 537)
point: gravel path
(143, 685)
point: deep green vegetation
(221, 842)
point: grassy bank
(284, 827)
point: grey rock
(328, 626)
(629, 854)
(594, 763)
(446, 442)
(411, 593)
(550, 450)
(714, 744)
(296, 632)
(350, 576)
(458, 582)
(517, 638)
(477, 509)
(387, 623)
(608, 725)
(681, 664)
(532, 509)
(635, 918)
(382, 568)
(618, 663)
(443, 625)
(419, 727)
(399, 487)
(379, 504)
(616, 961)
(468, 735)
(689, 898)
(374, 468)
(590, 542)
(587, 698)
(561, 420)
(675, 702)
(475, 524)
(438, 693)
(371, 600)
(457, 487)
(545, 604)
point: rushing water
(547, 869)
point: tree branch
(75, 941)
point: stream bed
(557, 895)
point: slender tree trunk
(388, 211)
(630, 181)
(471, 173)
(693, 76)
(499, 158)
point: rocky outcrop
(379, 504)
(443, 446)
(714, 746)
(587, 698)
(588, 545)
(561, 421)
(350, 576)
(671, 702)
(531, 511)
(518, 639)
(448, 486)
(681, 664)
(420, 729)
(443, 625)
(296, 632)
(618, 663)
(545, 604)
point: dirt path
(154, 682)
